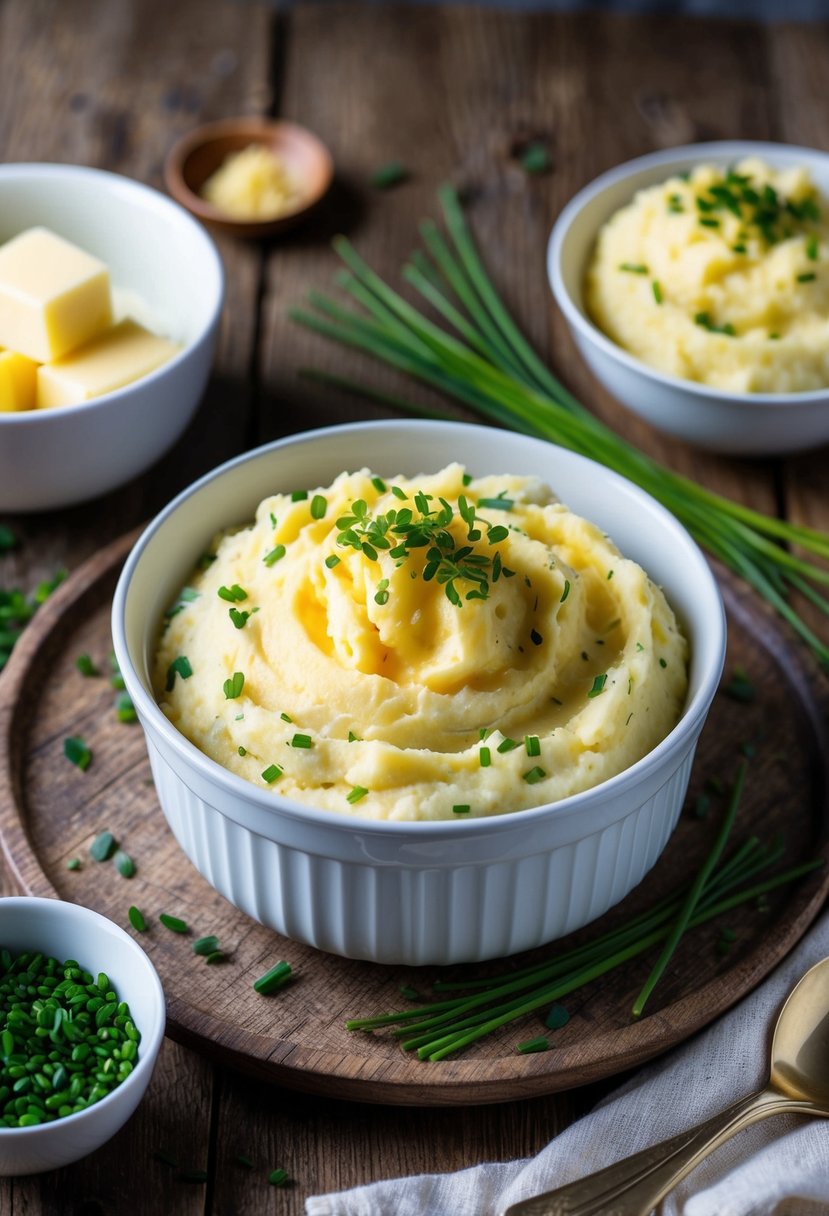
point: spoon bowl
(800, 1048)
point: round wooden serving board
(50, 811)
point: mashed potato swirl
(310, 660)
(721, 277)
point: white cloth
(779, 1166)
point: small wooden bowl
(201, 151)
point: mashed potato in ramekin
(421, 649)
(721, 277)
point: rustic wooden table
(456, 93)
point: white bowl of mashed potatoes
(695, 282)
(419, 692)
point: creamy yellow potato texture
(419, 650)
(722, 277)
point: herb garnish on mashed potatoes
(421, 649)
(722, 277)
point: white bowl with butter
(416, 892)
(110, 299)
(751, 423)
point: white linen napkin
(779, 1166)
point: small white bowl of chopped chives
(695, 282)
(82, 1017)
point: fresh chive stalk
(481, 359)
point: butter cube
(123, 354)
(53, 296)
(18, 377)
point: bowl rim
(237, 788)
(209, 132)
(150, 1040)
(22, 170)
(576, 317)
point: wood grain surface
(455, 92)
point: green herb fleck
(358, 792)
(319, 505)
(136, 918)
(302, 741)
(534, 775)
(233, 687)
(180, 666)
(234, 594)
(174, 923)
(271, 773)
(123, 863)
(461, 809)
(598, 685)
(75, 749)
(540, 1043)
(634, 267)
(656, 288)
(485, 757)
(86, 667)
(274, 979)
(557, 1017)
(276, 554)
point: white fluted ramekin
(417, 893)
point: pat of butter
(18, 377)
(123, 354)
(53, 296)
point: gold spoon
(798, 1084)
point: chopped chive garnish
(233, 687)
(180, 666)
(136, 919)
(740, 687)
(174, 923)
(394, 173)
(807, 277)
(74, 863)
(598, 685)
(812, 248)
(507, 745)
(303, 741)
(356, 794)
(774, 337)
(536, 158)
(319, 505)
(534, 775)
(332, 560)
(352, 738)
(634, 267)
(540, 1043)
(566, 591)
(234, 594)
(286, 717)
(216, 956)
(739, 248)
(461, 809)
(709, 221)
(499, 503)
(206, 945)
(299, 495)
(656, 288)
(85, 666)
(274, 979)
(75, 749)
(381, 595)
(272, 518)
(663, 662)
(123, 863)
(279, 1177)
(271, 773)
(238, 618)
(532, 743)
(557, 1017)
(166, 1158)
(243, 751)
(124, 708)
(485, 757)
(276, 554)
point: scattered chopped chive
(499, 503)
(243, 751)
(740, 687)
(136, 918)
(233, 686)
(557, 1017)
(103, 846)
(540, 1043)
(462, 808)
(273, 520)
(299, 495)
(234, 594)
(411, 994)
(507, 745)
(812, 248)
(85, 666)
(774, 337)
(634, 267)
(123, 863)
(271, 773)
(206, 945)
(75, 749)
(358, 792)
(535, 637)
(381, 595)
(739, 248)
(394, 173)
(485, 757)
(245, 1162)
(319, 505)
(598, 685)
(286, 717)
(302, 741)
(174, 923)
(274, 979)
(656, 288)
(124, 708)
(352, 738)
(276, 554)
(536, 158)
(180, 666)
(379, 484)
(279, 1177)
(74, 863)
(807, 277)
(534, 775)
(332, 560)
(709, 221)
(566, 591)
(533, 745)
(239, 618)
(206, 561)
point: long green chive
(356, 794)
(233, 687)
(174, 923)
(103, 846)
(76, 750)
(302, 741)
(180, 666)
(86, 667)
(271, 773)
(493, 370)
(136, 918)
(276, 554)
(274, 979)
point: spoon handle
(635, 1185)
